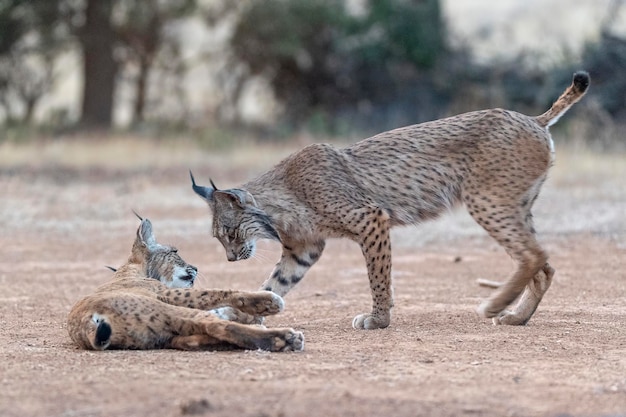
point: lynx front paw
(261, 303)
(232, 314)
(370, 321)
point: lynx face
(162, 262)
(165, 265)
(237, 220)
(239, 227)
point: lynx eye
(229, 234)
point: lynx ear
(138, 216)
(145, 236)
(241, 198)
(205, 192)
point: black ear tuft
(205, 192)
(146, 235)
(138, 216)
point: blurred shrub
(606, 62)
(330, 64)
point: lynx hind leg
(529, 300)
(512, 229)
(193, 342)
(255, 337)
(205, 331)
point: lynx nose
(192, 271)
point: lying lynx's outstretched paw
(261, 303)
(370, 321)
(238, 316)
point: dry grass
(133, 153)
(130, 153)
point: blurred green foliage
(323, 59)
(336, 67)
(606, 62)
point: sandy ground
(60, 226)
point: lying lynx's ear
(145, 236)
(205, 192)
(236, 196)
(138, 216)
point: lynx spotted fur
(492, 161)
(150, 304)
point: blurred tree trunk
(145, 45)
(99, 67)
(140, 99)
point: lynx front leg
(296, 260)
(250, 307)
(261, 303)
(376, 246)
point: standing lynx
(150, 304)
(493, 161)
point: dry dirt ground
(61, 225)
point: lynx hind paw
(487, 309)
(370, 322)
(261, 303)
(510, 318)
(290, 341)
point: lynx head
(160, 262)
(237, 220)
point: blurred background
(272, 70)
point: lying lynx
(494, 161)
(150, 305)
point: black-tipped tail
(573, 93)
(205, 192)
(103, 335)
(581, 81)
